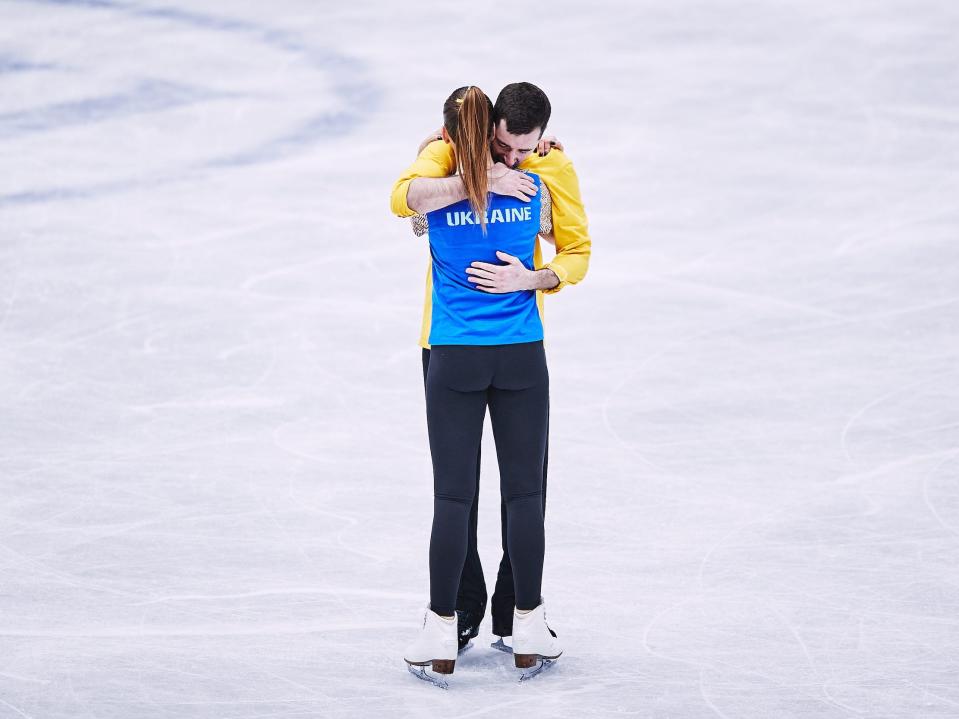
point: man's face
(512, 149)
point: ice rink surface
(215, 479)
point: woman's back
(463, 314)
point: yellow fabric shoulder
(570, 227)
(436, 160)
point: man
(520, 116)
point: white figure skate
(534, 641)
(434, 645)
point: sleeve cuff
(560, 272)
(398, 199)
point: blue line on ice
(146, 97)
(10, 64)
(349, 85)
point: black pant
(461, 381)
(472, 595)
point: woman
(486, 351)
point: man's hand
(547, 143)
(511, 277)
(512, 183)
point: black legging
(461, 381)
(472, 595)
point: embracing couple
(485, 190)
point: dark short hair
(524, 107)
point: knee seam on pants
(527, 495)
(457, 500)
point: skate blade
(501, 646)
(543, 665)
(419, 671)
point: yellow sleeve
(570, 227)
(436, 160)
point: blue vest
(462, 314)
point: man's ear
(446, 136)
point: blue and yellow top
(573, 244)
(462, 314)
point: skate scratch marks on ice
(8, 704)
(925, 491)
(857, 415)
(284, 591)
(754, 298)
(702, 693)
(243, 629)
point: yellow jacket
(570, 228)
